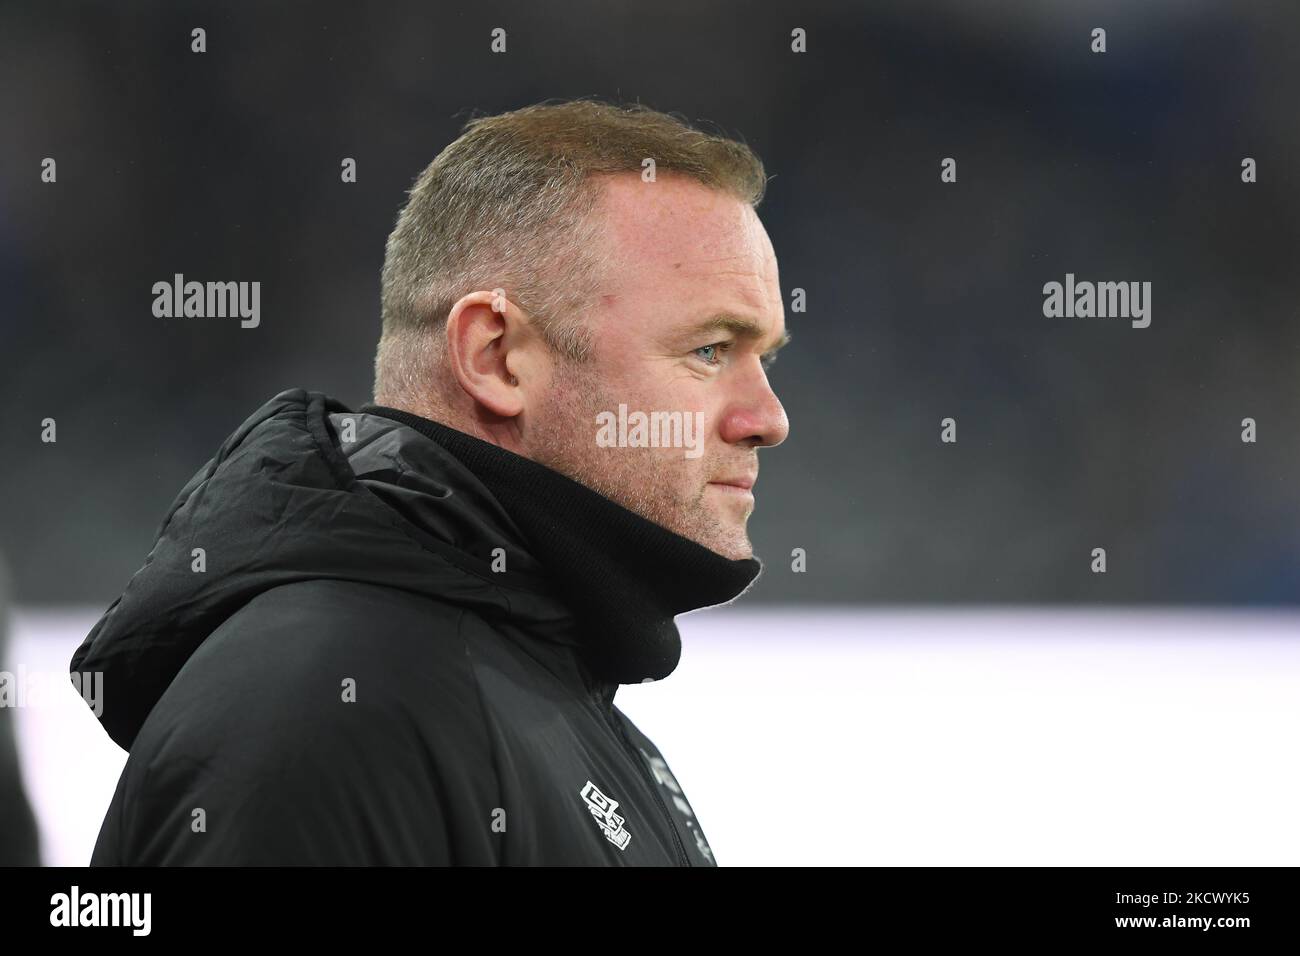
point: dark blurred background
(924, 298)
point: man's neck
(623, 575)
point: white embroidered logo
(602, 808)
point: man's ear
(489, 343)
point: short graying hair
(509, 205)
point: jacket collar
(624, 577)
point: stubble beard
(647, 481)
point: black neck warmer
(624, 576)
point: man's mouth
(739, 483)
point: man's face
(690, 314)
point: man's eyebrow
(739, 326)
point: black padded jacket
(364, 638)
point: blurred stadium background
(947, 682)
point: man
(394, 635)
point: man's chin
(733, 547)
(736, 554)
(709, 527)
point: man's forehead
(691, 255)
(678, 223)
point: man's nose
(756, 418)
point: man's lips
(742, 482)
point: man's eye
(712, 357)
